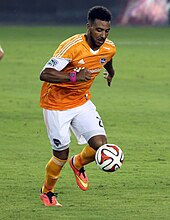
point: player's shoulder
(109, 46)
(69, 46)
(110, 43)
(73, 40)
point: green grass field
(136, 114)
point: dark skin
(97, 33)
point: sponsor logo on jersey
(95, 70)
(77, 69)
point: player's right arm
(54, 76)
(53, 72)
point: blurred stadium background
(44, 12)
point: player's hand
(108, 77)
(84, 75)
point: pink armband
(73, 76)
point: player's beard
(94, 43)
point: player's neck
(90, 42)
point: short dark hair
(99, 12)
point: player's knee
(97, 141)
(62, 154)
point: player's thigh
(57, 124)
(88, 122)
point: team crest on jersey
(103, 60)
(52, 62)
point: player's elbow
(42, 76)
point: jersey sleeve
(67, 49)
(56, 63)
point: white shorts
(84, 121)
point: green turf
(136, 114)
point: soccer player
(1, 52)
(65, 99)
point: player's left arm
(110, 72)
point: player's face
(97, 33)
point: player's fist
(84, 75)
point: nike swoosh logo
(85, 185)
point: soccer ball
(109, 157)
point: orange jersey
(63, 96)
